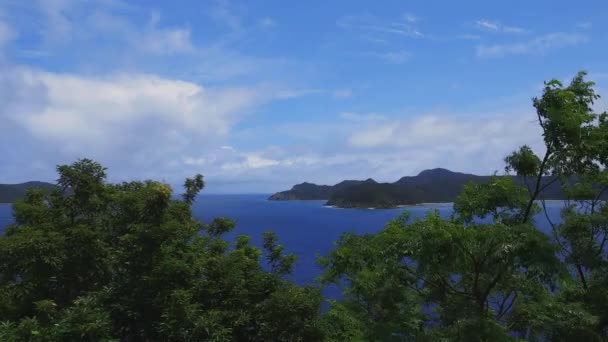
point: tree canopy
(97, 261)
(487, 273)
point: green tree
(487, 273)
(98, 261)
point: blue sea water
(306, 228)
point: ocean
(306, 228)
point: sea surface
(306, 228)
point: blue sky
(260, 95)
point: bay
(306, 228)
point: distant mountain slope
(9, 193)
(435, 185)
(309, 191)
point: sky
(260, 95)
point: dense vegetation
(127, 262)
(457, 279)
(309, 191)
(430, 186)
(97, 261)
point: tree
(487, 273)
(576, 141)
(98, 261)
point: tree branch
(581, 275)
(539, 178)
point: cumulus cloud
(136, 124)
(144, 97)
(133, 93)
(87, 110)
(445, 132)
(538, 45)
(386, 148)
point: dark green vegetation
(10, 193)
(126, 262)
(309, 191)
(458, 280)
(429, 186)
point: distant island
(429, 186)
(10, 193)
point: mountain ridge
(10, 193)
(432, 185)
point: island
(429, 186)
(10, 193)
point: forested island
(10, 193)
(429, 186)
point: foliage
(486, 273)
(98, 261)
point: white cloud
(7, 33)
(585, 25)
(58, 27)
(149, 38)
(394, 57)
(110, 112)
(389, 57)
(161, 40)
(267, 22)
(386, 148)
(167, 41)
(410, 18)
(487, 25)
(372, 24)
(343, 93)
(539, 45)
(250, 162)
(225, 13)
(69, 23)
(445, 132)
(195, 161)
(361, 117)
(469, 37)
(513, 29)
(495, 26)
(293, 93)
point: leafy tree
(487, 273)
(98, 261)
(576, 141)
